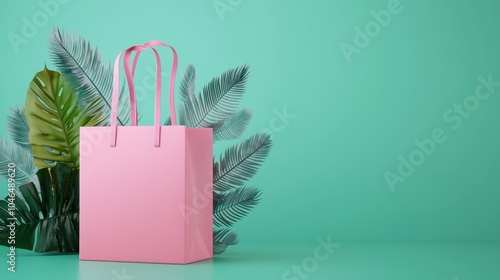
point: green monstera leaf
(46, 219)
(54, 119)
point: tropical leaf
(241, 162)
(223, 238)
(10, 153)
(47, 221)
(218, 101)
(187, 86)
(55, 119)
(235, 205)
(186, 91)
(18, 127)
(35, 182)
(233, 127)
(93, 79)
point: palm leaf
(186, 90)
(47, 221)
(241, 162)
(81, 63)
(187, 86)
(235, 205)
(18, 127)
(233, 127)
(223, 238)
(55, 119)
(218, 101)
(25, 168)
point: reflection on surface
(89, 270)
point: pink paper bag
(145, 191)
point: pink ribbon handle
(133, 102)
(173, 74)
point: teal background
(351, 121)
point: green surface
(266, 260)
(351, 119)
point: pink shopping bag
(145, 191)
